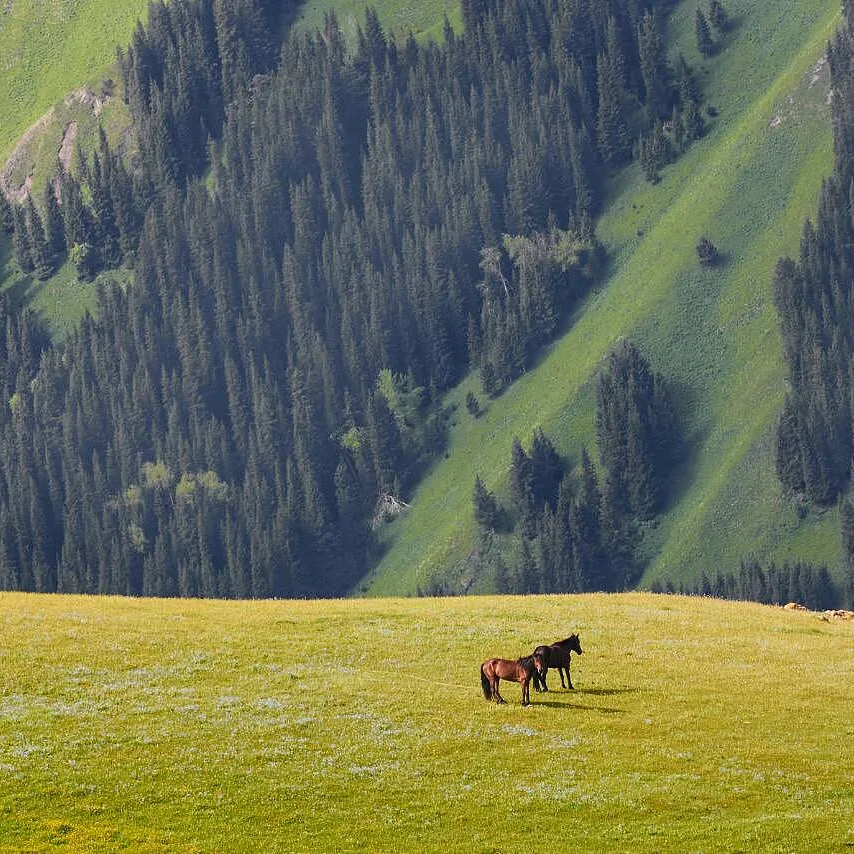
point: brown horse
(494, 670)
(556, 655)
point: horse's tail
(484, 683)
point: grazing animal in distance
(556, 655)
(493, 670)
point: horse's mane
(565, 641)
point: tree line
(814, 296)
(566, 528)
(800, 582)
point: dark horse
(495, 669)
(556, 655)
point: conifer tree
(40, 252)
(487, 512)
(21, 240)
(522, 488)
(653, 64)
(846, 529)
(54, 225)
(611, 129)
(718, 16)
(7, 215)
(703, 33)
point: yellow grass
(359, 725)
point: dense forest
(323, 238)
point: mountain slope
(50, 49)
(748, 185)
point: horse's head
(539, 662)
(572, 643)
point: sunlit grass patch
(696, 724)
(423, 18)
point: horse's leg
(526, 692)
(560, 670)
(569, 679)
(498, 697)
(543, 675)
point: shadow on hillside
(687, 453)
(575, 707)
(20, 287)
(604, 692)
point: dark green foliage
(611, 127)
(474, 12)
(77, 219)
(41, 254)
(635, 431)
(54, 225)
(718, 16)
(565, 539)
(693, 124)
(185, 67)
(86, 261)
(22, 239)
(654, 69)
(522, 488)
(656, 152)
(800, 582)
(529, 284)
(487, 511)
(7, 215)
(846, 529)
(707, 252)
(705, 43)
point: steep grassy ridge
(713, 333)
(360, 725)
(49, 49)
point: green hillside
(748, 185)
(424, 18)
(51, 49)
(165, 725)
(55, 56)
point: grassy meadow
(353, 725)
(748, 185)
